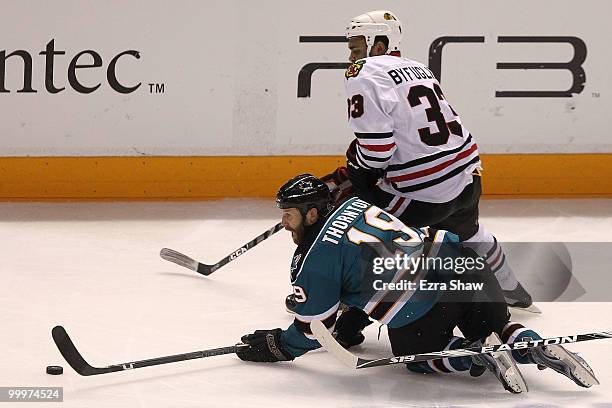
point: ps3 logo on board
(574, 65)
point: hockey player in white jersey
(412, 155)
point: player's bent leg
(486, 245)
(431, 332)
(500, 364)
(486, 314)
(464, 222)
(476, 320)
(486, 310)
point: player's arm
(339, 184)
(371, 101)
(318, 298)
(317, 290)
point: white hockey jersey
(405, 126)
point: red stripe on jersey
(378, 148)
(434, 169)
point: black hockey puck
(55, 370)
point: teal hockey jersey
(341, 260)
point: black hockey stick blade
(327, 340)
(183, 260)
(82, 367)
(71, 354)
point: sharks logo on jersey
(294, 263)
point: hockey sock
(445, 365)
(516, 332)
(486, 245)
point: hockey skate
(518, 298)
(501, 364)
(564, 362)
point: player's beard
(297, 233)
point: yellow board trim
(214, 177)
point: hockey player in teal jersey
(337, 261)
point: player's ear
(380, 48)
(312, 216)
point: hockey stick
(189, 263)
(78, 363)
(327, 340)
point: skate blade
(582, 374)
(515, 380)
(531, 309)
(512, 375)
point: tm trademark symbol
(595, 94)
(156, 88)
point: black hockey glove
(349, 326)
(265, 347)
(363, 180)
(339, 184)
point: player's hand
(349, 326)
(351, 152)
(264, 346)
(362, 179)
(339, 184)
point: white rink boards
(229, 77)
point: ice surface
(95, 268)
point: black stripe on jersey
(427, 159)
(385, 135)
(392, 297)
(450, 174)
(361, 163)
(372, 158)
(304, 327)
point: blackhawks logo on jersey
(354, 69)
